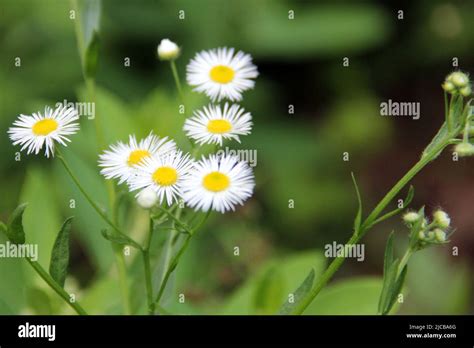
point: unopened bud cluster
(425, 233)
(458, 82)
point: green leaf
(39, 301)
(5, 309)
(396, 289)
(92, 57)
(3, 228)
(293, 269)
(89, 14)
(457, 113)
(119, 239)
(269, 292)
(299, 294)
(356, 296)
(440, 137)
(388, 284)
(388, 256)
(60, 254)
(15, 231)
(358, 218)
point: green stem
(368, 222)
(84, 193)
(146, 262)
(174, 262)
(56, 287)
(176, 80)
(178, 255)
(91, 88)
(118, 253)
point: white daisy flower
(218, 183)
(32, 132)
(121, 160)
(164, 174)
(213, 124)
(221, 74)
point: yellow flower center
(165, 176)
(219, 126)
(222, 74)
(136, 156)
(44, 127)
(216, 182)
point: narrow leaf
(15, 231)
(92, 56)
(299, 294)
(437, 139)
(3, 228)
(389, 279)
(89, 14)
(119, 239)
(269, 292)
(397, 288)
(388, 257)
(358, 218)
(60, 254)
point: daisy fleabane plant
(35, 131)
(164, 175)
(213, 124)
(221, 74)
(120, 161)
(218, 183)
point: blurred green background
(299, 155)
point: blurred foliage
(299, 155)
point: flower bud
(466, 91)
(168, 50)
(441, 219)
(458, 79)
(421, 235)
(448, 86)
(464, 149)
(411, 217)
(147, 198)
(439, 235)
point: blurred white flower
(147, 198)
(168, 50)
